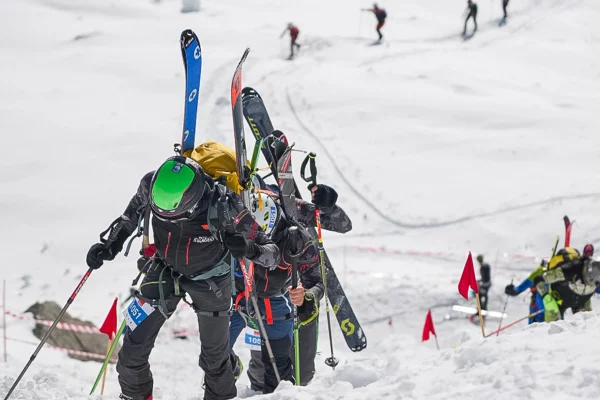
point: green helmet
(480, 258)
(177, 187)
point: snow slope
(433, 142)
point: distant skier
(535, 303)
(485, 282)
(504, 5)
(472, 13)
(294, 32)
(381, 15)
(568, 281)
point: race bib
(252, 338)
(137, 312)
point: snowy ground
(434, 144)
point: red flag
(468, 279)
(428, 327)
(109, 327)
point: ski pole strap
(140, 231)
(313, 168)
(268, 311)
(109, 229)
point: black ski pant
(293, 45)
(308, 337)
(380, 24)
(483, 295)
(471, 15)
(212, 311)
(279, 332)
(504, 5)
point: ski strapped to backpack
(192, 61)
(274, 141)
(245, 182)
(568, 226)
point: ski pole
(248, 281)
(113, 346)
(293, 231)
(503, 310)
(516, 322)
(47, 335)
(330, 361)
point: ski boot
(125, 397)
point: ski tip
(187, 38)
(248, 91)
(187, 33)
(246, 52)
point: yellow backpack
(563, 256)
(217, 160)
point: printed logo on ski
(185, 135)
(254, 127)
(197, 52)
(347, 327)
(192, 95)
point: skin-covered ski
(257, 117)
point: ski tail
(568, 226)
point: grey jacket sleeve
(268, 254)
(312, 281)
(332, 219)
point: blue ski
(192, 61)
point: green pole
(296, 349)
(110, 351)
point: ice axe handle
(313, 168)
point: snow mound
(542, 361)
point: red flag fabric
(109, 327)
(428, 327)
(468, 279)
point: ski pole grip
(313, 168)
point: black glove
(510, 290)
(97, 254)
(239, 247)
(324, 196)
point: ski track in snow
(368, 203)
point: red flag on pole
(468, 279)
(428, 327)
(109, 327)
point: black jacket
(274, 281)
(193, 247)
